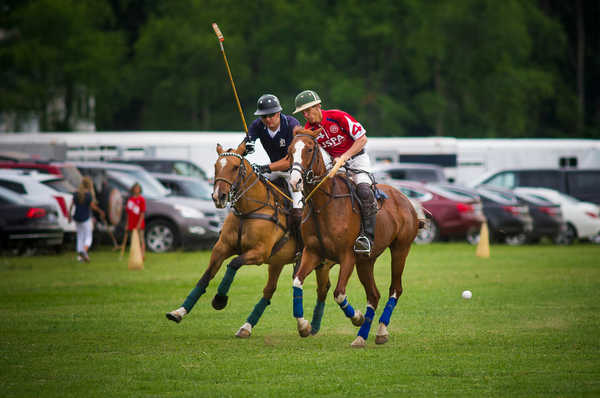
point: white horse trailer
(462, 159)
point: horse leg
(399, 254)
(323, 286)
(219, 254)
(339, 294)
(309, 261)
(246, 330)
(254, 256)
(365, 275)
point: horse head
(230, 171)
(307, 161)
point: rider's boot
(368, 212)
(295, 226)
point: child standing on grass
(136, 209)
(84, 200)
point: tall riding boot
(368, 213)
(296, 231)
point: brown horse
(256, 231)
(331, 223)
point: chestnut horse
(331, 223)
(256, 231)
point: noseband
(308, 175)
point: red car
(453, 216)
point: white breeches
(360, 162)
(84, 234)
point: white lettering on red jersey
(340, 130)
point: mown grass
(98, 330)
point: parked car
(546, 216)
(452, 216)
(409, 171)
(167, 166)
(171, 221)
(63, 169)
(580, 183)
(508, 219)
(582, 218)
(25, 224)
(43, 188)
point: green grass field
(532, 328)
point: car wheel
(516, 240)
(473, 235)
(160, 236)
(566, 237)
(427, 234)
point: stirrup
(362, 245)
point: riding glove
(249, 148)
(263, 169)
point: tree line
(462, 68)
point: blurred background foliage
(462, 68)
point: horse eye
(310, 150)
(236, 167)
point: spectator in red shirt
(136, 209)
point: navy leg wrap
(347, 308)
(226, 282)
(387, 312)
(259, 308)
(317, 316)
(366, 326)
(298, 306)
(193, 297)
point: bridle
(308, 175)
(234, 195)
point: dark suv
(170, 221)
(584, 184)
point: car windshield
(197, 189)
(450, 193)
(151, 188)
(60, 184)
(11, 196)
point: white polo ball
(467, 294)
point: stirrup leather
(362, 245)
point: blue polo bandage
(387, 311)
(226, 282)
(347, 308)
(317, 316)
(366, 326)
(298, 307)
(258, 310)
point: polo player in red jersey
(343, 138)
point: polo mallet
(221, 39)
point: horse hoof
(219, 302)
(174, 316)
(359, 342)
(304, 328)
(358, 319)
(243, 333)
(382, 339)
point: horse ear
(219, 149)
(310, 132)
(241, 149)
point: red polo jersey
(340, 130)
